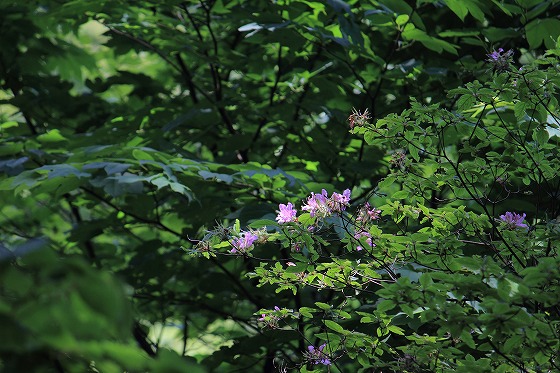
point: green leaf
(386, 305)
(51, 136)
(334, 326)
(458, 7)
(541, 136)
(541, 31)
(307, 311)
(437, 45)
(401, 19)
(323, 306)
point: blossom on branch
(272, 319)
(322, 205)
(317, 204)
(317, 356)
(513, 220)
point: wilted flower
(357, 119)
(513, 220)
(317, 356)
(287, 213)
(203, 246)
(367, 213)
(243, 242)
(398, 159)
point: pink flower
(513, 220)
(317, 204)
(287, 213)
(243, 242)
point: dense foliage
(287, 185)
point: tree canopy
(262, 186)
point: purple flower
(495, 56)
(317, 204)
(513, 220)
(287, 213)
(317, 356)
(243, 242)
(339, 202)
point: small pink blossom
(500, 59)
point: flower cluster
(319, 205)
(339, 202)
(317, 356)
(513, 220)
